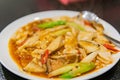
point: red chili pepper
(108, 46)
(44, 57)
(87, 23)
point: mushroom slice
(100, 38)
(85, 35)
(30, 41)
(35, 66)
(88, 46)
(56, 43)
(90, 57)
(103, 60)
(105, 54)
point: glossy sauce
(17, 59)
(12, 49)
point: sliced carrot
(87, 23)
(45, 57)
(110, 47)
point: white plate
(5, 35)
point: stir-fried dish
(62, 47)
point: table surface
(108, 10)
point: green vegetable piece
(60, 32)
(62, 70)
(76, 26)
(52, 24)
(82, 68)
